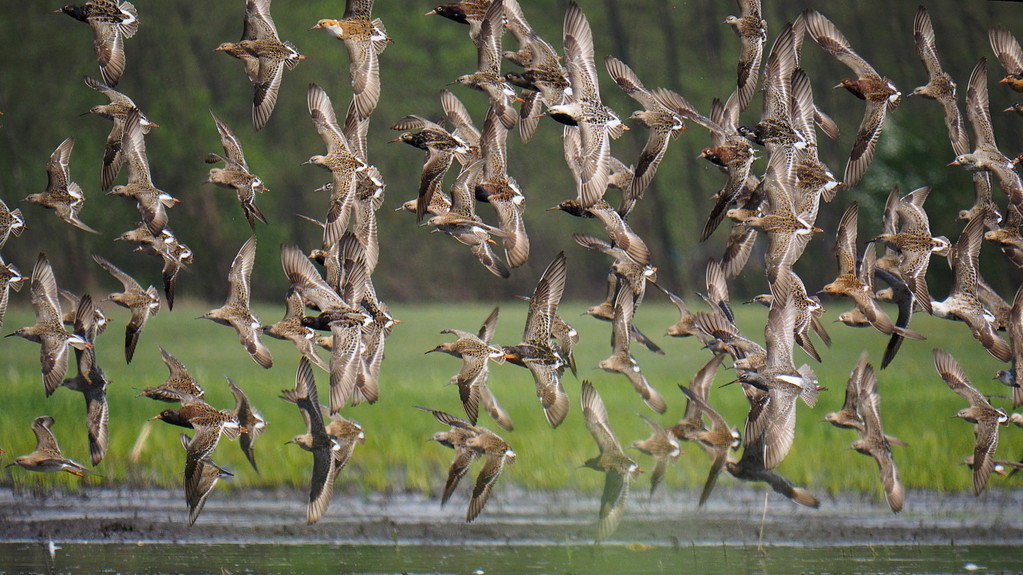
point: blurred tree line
(176, 77)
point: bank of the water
(670, 519)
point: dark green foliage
(175, 76)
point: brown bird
(117, 110)
(617, 229)
(716, 441)
(684, 327)
(1010, 56)
(441, 148)
(879, 92)
(316, 441)
(691, 423)
(167, 247)
(152, 203)
(209, 424)
(662, 445)
(62, 195)
(874, 443)
(47, 456)
(857, 286)
(487, 78)
(475, 350)
(664, 113)
(261, 41)
(365, 40)
(808, 314)
(91, 382)
(10, 277)
(178, 385)
(11, 223)
(1012, 377)
(236, 312)
(963, 301)
(914, 242)
(290, 328)
(465, 456)
(340, 159)
(544, 80)
(731, 152)
(849, 416)
(209, 474)
(589, 154)
(344, 321)
(235, 174)
(772, 415)
(619, 469)
(48, 330)
(468, 12)
(111, 21)
(497, 451)
(621, 360)
(536, 352)
(986, 156)
(940, 85)
(751, 28)
(775, 130)
(142, 303)
(248, 417)
(722, 336)
(985, 418)
(501, 191)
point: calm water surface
(499, 559)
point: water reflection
(494, 560)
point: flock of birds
(782, 203)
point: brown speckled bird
(111, 21)
(315, 441)
(62, 195)
(874, 443)
(879, 92)
(261, 41)
(986, 419)
(940, 85)
(48, 330)
(488, 444)
(365, 40)
(47, 456)
(1010, 56)
(143, 303)
(236, 312)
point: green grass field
(916, 405)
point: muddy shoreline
(513, 516)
